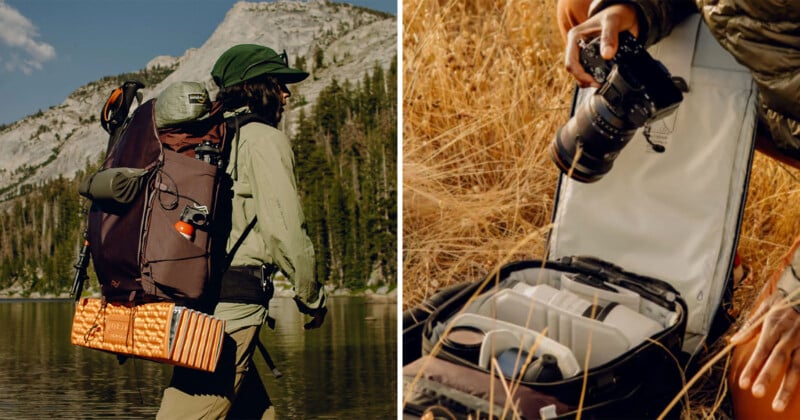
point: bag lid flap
(673, 215)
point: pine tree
(346, 154)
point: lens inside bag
(511, 361)
(574, 321)
(465, 342)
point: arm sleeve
(656, 17)
(280, 216)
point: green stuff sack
(116, 185)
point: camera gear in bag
(673, 215)
(545, 344)
(668, 212)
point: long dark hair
(261, 94)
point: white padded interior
(674, 215)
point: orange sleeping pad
(161, 332)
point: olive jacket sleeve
(262, 164)
(656, 17)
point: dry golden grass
(484, 91)
(483, 94)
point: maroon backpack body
(139, 249)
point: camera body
(635, 90)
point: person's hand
(778, 344)
(607, 23)
(317, 314)
(317, 318)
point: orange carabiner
(111, 107)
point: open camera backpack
(638, 265)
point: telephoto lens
(598, 131)
(634, 326)
(636, 89)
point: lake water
(346, 369)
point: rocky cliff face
(61, 140)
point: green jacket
(763, 35)
(262, 165)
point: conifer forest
(346, 163)
(346, 168)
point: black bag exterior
(414, 321)
(638, 384)
(137, 252)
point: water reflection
(347, 369)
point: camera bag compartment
(610, 386)
(673, 216)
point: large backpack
(159, 230)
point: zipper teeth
(742, 201)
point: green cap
(246, 61)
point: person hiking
(764, 37)
(253, 83)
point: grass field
(484, 91)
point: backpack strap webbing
(229, 257)
(237, 122)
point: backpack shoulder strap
(235, 123)
(244, 119)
